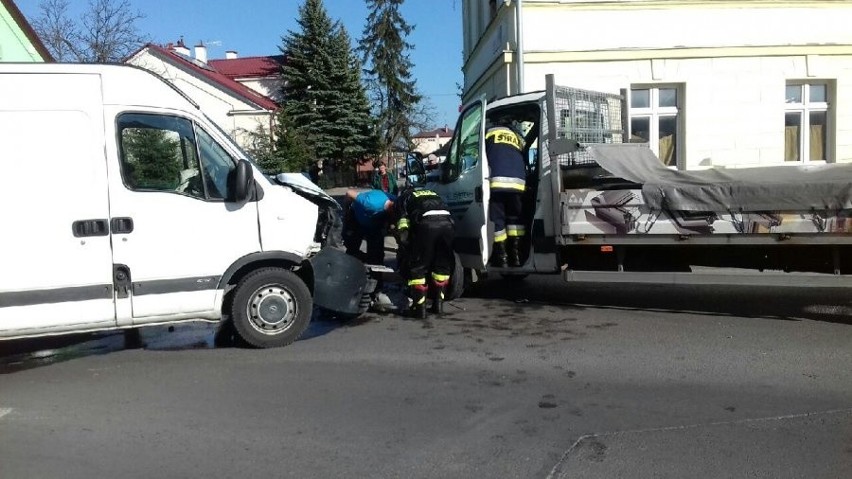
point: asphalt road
(530, 380)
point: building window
(655, 120)
(806, 117)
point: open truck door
(463, 184)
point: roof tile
(214, 76)
(249, 67)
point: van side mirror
(242, 180)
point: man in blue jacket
(367, 219)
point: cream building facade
(239, 110)
(427, 142)
(707, 83)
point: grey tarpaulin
(767, 188)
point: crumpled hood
(329, 223)
(303, 185)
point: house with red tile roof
(431, 141)
(241, 109)
(261, 74)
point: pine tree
(324, 101)
(306, 87)
(291, 152)
(385, 50)
(355, 125)
(152, 157)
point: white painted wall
(428, 145)
(268, 87)
(733, 106)
(562, 28)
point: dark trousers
(504, 210)
(430, 249)
(354, 233)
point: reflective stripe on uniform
(402, 224)
(500, 236)
(440, 277)
(419, 193)
(507, 183)
(516, 230)
(436, 213)
(505, 136)
(417, 282)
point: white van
(123, 205)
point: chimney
(230, 55)
(201, 52)
(181, 48)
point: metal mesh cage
(587, 117)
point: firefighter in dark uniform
(504, 148)
(425, 234)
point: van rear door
(55, 256)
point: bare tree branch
(57, 31)
(105, 32)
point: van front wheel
(272, 308)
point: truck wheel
(272, 307)
(457, 280)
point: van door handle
(86, 228)
(120, 226)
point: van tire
(457, 280)
(272, 307)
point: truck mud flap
(341, 282)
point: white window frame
(654, 112)
(804, 109)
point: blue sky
(255, 27)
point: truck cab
(462, 179)
(463, 182)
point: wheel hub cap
(272, 309)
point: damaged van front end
(343, 285)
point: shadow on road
(787, 304)
(23, 354)
(535, 292)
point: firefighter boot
(438, 302)
(418, 301)
(513, 249)
(498, 255)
